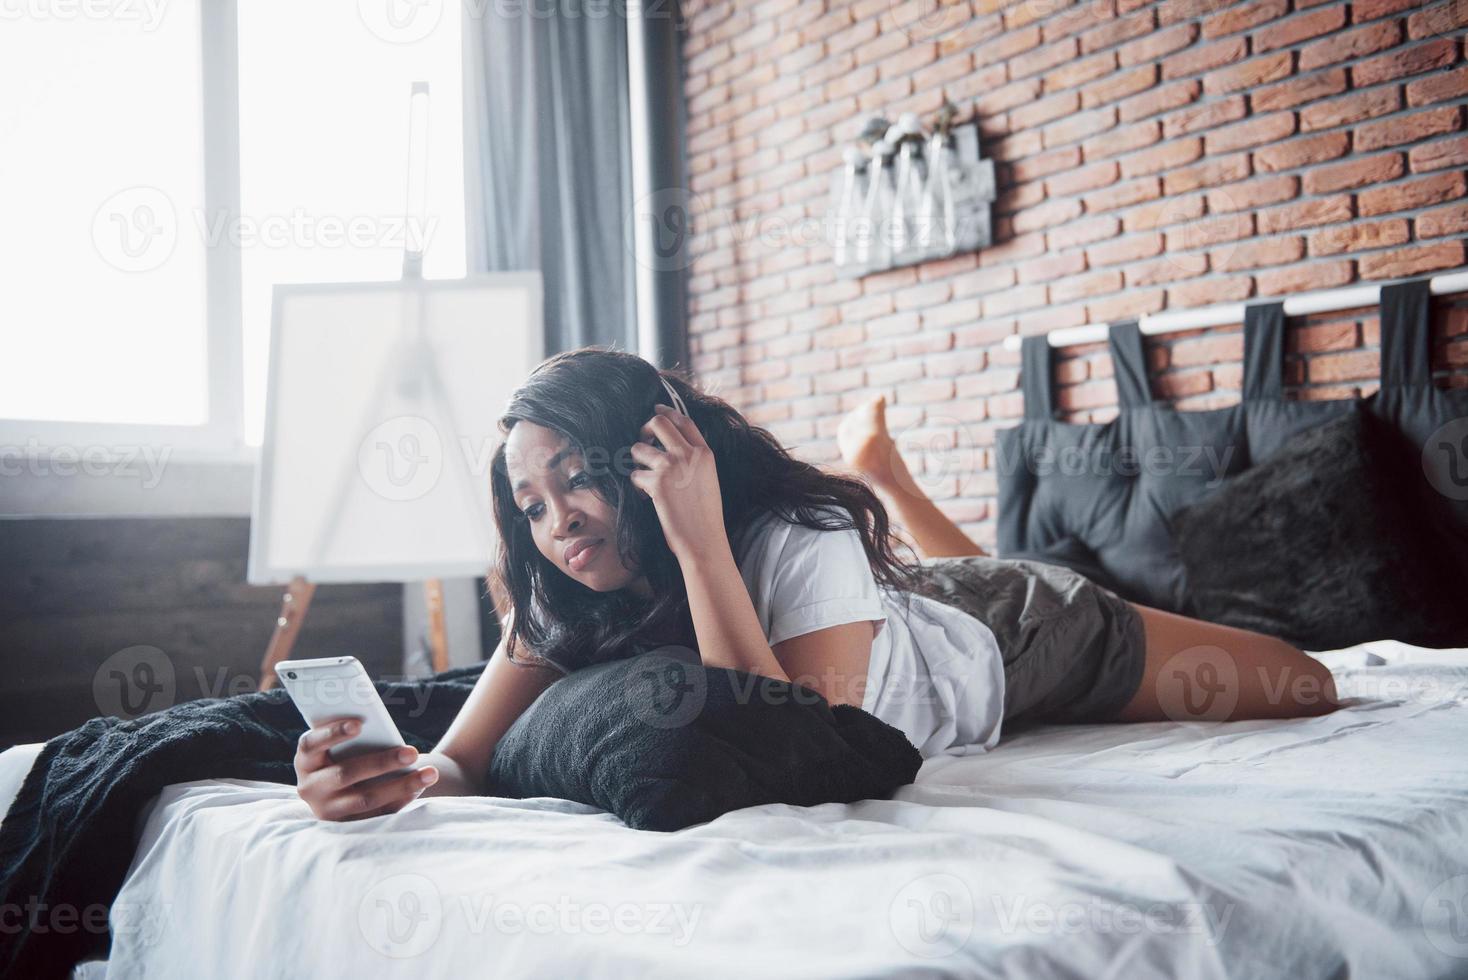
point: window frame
(221, 437)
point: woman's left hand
(682, 481)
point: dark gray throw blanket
(68, 840)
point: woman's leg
(1199, 671)
(870, 450)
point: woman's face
(564, 511)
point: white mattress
(1309, 848)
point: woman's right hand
(335, 790)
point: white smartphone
(338, 687)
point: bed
(1316, 847)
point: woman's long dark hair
(600, 398)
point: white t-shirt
(935, 671)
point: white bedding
(1309, 848)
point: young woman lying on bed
(629, 524)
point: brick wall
(1151, 155)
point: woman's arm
(728, 629)
(500, 696)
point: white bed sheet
(1308, 848)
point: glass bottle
(910, 173)
(873, 252)
(846, 211)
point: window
(165, 166)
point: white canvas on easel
(380, 418)
(381, 415)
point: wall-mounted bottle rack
(904, 197)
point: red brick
(1206, 292)
(1439, 20)
(1078, 19)
(1006, 45)
(1159, 214)
(1047, 215)
(1044, 110)
(1305, 214)
(1052, 267)
(1260, 129)
(1297, 91)
(1089, 395)
(1127, 249)
(1083, 179)
(1354, 173)
(1257, 254)
(1079, 126)
(1161, 99)
(1435, 156)
(927, 294)
(1132, 303)
(1411, 261)
(1351, 108)
(1212, 230)
(1169, 268)
(1175, 153)
(1451, 220)
(1413, 60)
(1207, 350)
(1299, 153)
(1204, 57)
(1083, 232)
(1411, 194)
(1117, 31)
(1045, 164)
(1358, 236)
(1084, 287)
(1080, 71)
(1346, 366)
(1253, 194)
(1301, 27)
(1205, 116)
(1408, 129)
(1019, 298)
(1209, 173)
(1124, 194)
(1354, 43)
(1241, 17)
(1157, 44)
(1439, 87)
(1313, 339)
(1044, 58)
(1121, 140)
(1182, 384)
(1364, 10)
(1117, 86)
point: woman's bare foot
(868, 447)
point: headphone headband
(677, 400)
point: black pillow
(1325, 544)
(664, 743)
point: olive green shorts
(1073, 651)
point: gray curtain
(548, 161)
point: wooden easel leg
(293, 608)
(438, 636)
